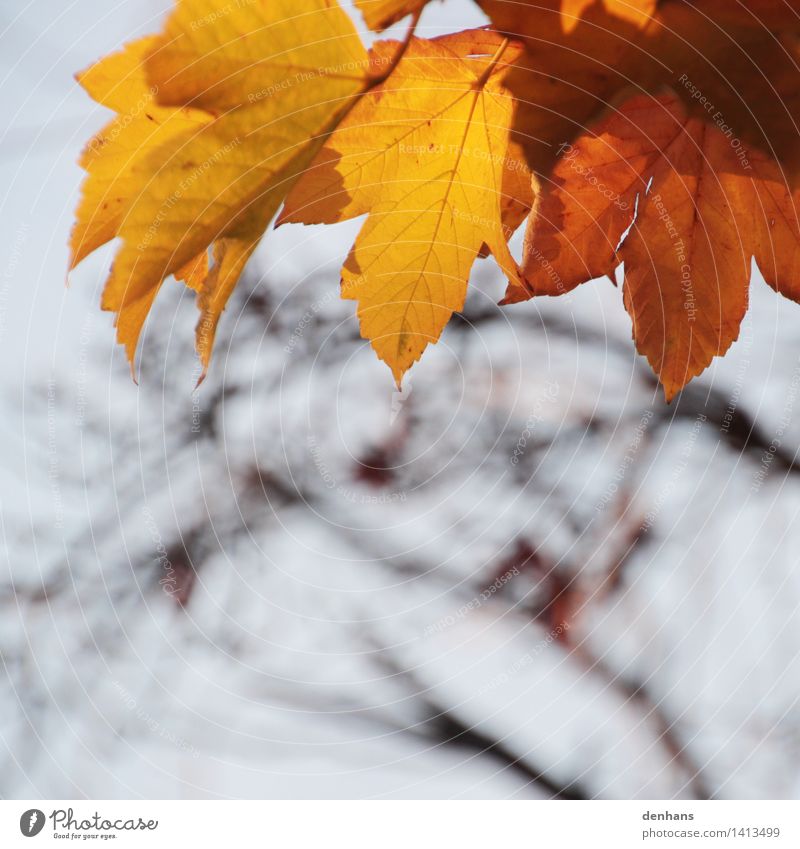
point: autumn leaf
(700, 215)
(687, 263)
(734, 64)
(380, 14)
(194, 273)
(577, 54)
(426, 155)
(637, 12)
(259, 85)
(708, 165)
(141, 126)
(589, 200)
(773, 228)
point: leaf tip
(670, 391)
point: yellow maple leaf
(425, 154)
(267, 82)
(141, 125)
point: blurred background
(523, 576)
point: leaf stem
(372, 82)
(382, 77)
(487, 72)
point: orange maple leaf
(701, 174)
